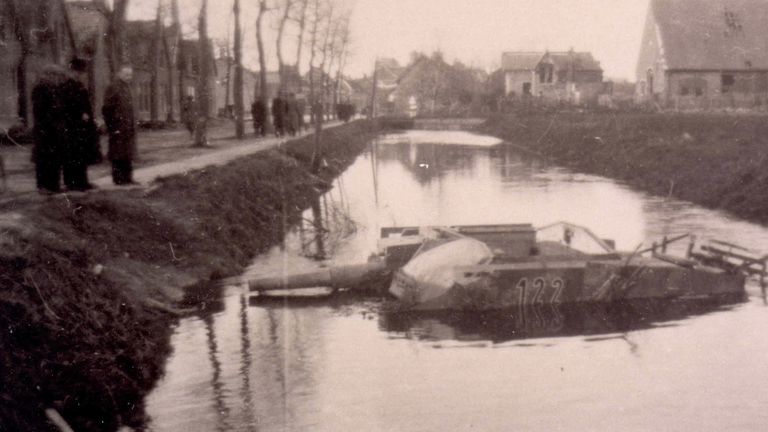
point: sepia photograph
(383, 215)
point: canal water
(351, 363)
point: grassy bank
(88, 283)
(714, 160)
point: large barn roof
(713, 34)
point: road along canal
(346, 362)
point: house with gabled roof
(705, 54)
(519, 70)
(564, 76)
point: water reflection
(217, 387)
(547, 321)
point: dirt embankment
(88, 282)
(714, 160)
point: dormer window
(546, 71)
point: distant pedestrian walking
(188, 114)
(121, 125)
(291, 115)
(301, 107)
(82, 146)
(50, 129)
(278, 115)
(259, 114)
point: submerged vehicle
(502, 266)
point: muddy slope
(88, 282)
(714, 160)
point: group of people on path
(287, 115)
(66, 138)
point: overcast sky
(475, 32)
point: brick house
(566, 76)
(33, 33)
(225, 84)
(698, 54)
(175, 62)
(519, 70)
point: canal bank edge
(716, 160)
(91, 283)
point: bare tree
(301, 21)
(263, 9)
(154, 90)
(285, 8)
(203, 92)
(343, 38)
(115, 33)
(325, 51)
(21, 68)
(170, 60)
(322, 11)
(238, 87)
(224, 53)
(314, 34)
(180, 62)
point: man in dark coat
(301, 107)
(278, 115)
(82, 146)
(291, 114)
(50, 129)
(259, 113)
(188, 114)
(121, 126)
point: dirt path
(161, 153)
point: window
(727, 82)
(694, 85)
(546, 70)
(649, 79)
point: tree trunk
(21, 67)
(262, 60)
(180, 63)
(154, 89)
(170, 66)
(238, 87)
(300, 40)
(314, 103)
(116, 35)
(201, 124)
(279, 42)
(326, 53)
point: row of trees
(321, 29)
